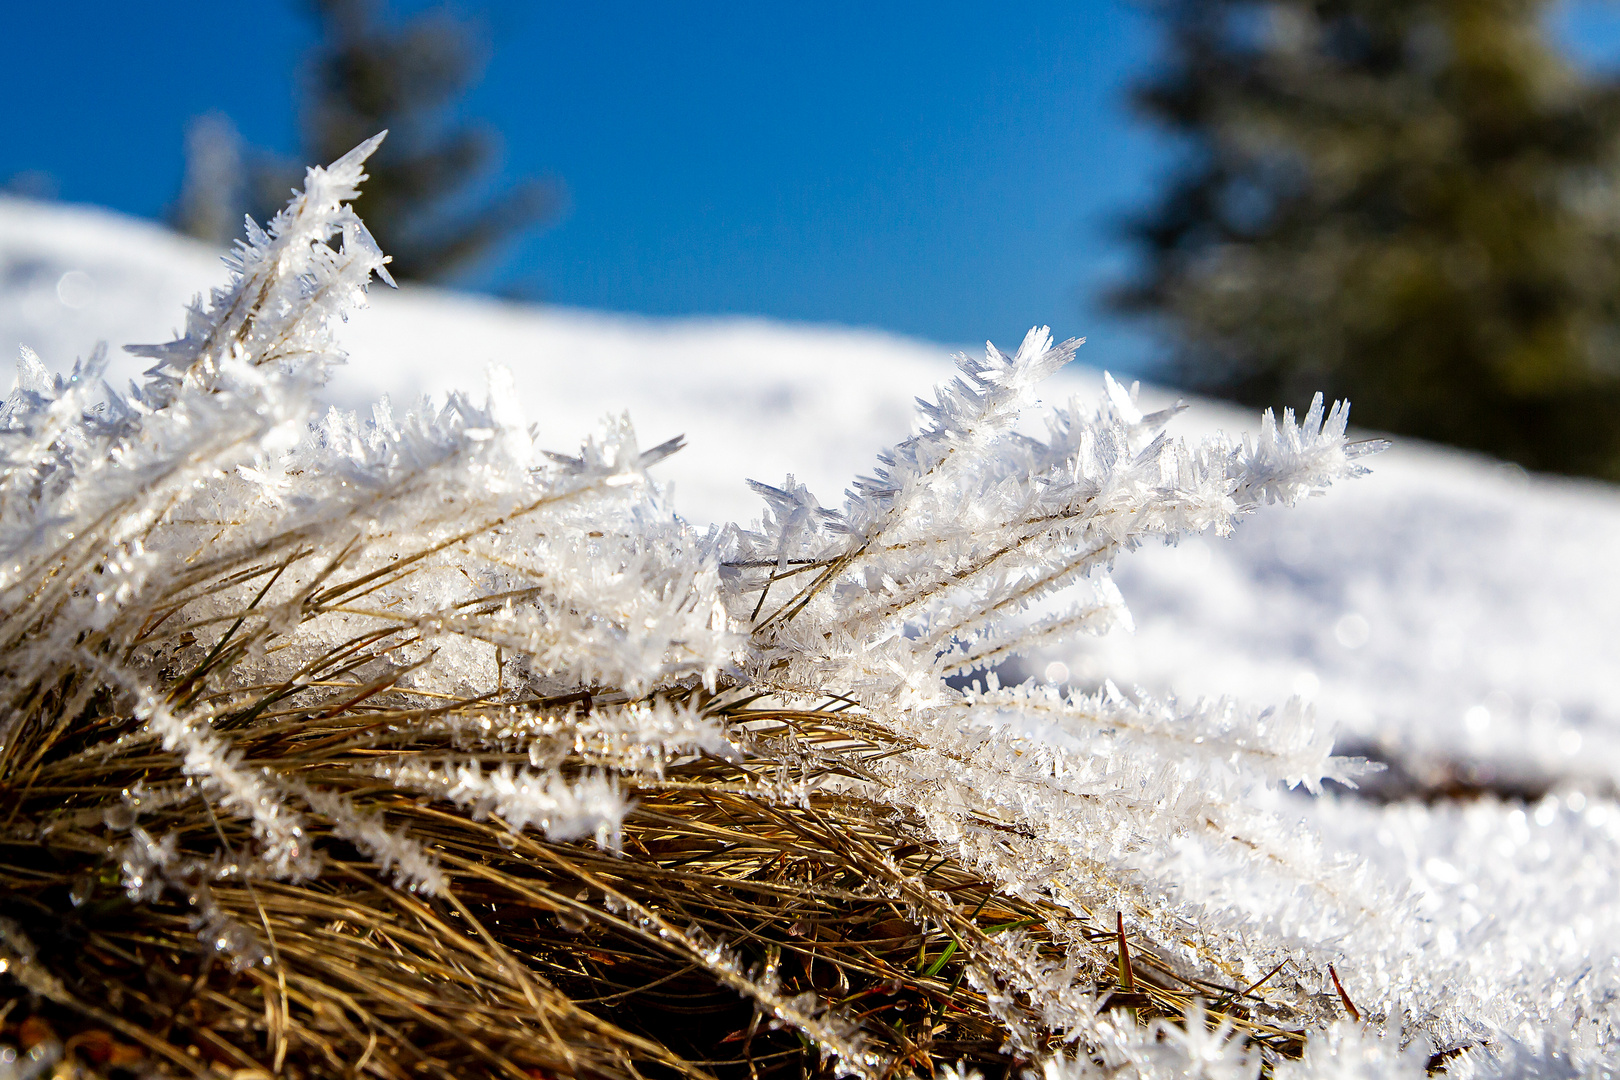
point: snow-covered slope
(1455, 615)
(1447, 606)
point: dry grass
(543, 959)
(181, 647)
(767, 916)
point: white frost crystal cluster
(292, 541)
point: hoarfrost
(214, 525)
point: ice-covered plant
(396, 745)
(1094, 803)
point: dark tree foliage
(423, 201)
(429, 199)
(1409, 203)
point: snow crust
(1456, 617)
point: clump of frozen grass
(336, 701)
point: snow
(1454, 615)
(1448, 607)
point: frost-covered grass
(401, 741)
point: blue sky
(950, 170)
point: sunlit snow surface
(1455, 616)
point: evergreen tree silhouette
(429, 200)
(423, 201)
(1410, 203)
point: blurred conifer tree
(429, 201)
(1410, 203)
(422, 201)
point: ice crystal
(562, 809)
(545, 634)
